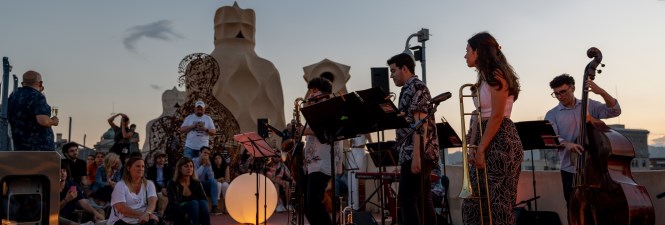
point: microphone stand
(417, 128)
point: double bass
(604, 191)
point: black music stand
(343, 117)
(257, 147)
(538, 134)
(448, 138)
(383, 154)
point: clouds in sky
(160, 30)
(659, 141)
(156, 87)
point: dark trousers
(150, 222)
(315, 211)
(567, 181)
(197, 211)
(415, 196)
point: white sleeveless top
(486, 101)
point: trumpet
(468, 190)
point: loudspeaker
(525, 217)
(262, 127)
(363, 218)
(380, 78)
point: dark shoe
(215, 211)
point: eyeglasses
(560, 93)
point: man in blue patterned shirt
(30, 116)
(416, 163)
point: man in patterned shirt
(416, 163)
(30, 116)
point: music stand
(345, 116)
(257, 147)
(538, 134)
(377, 150)
(383, 154)
(448, 138)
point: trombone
(468, 190)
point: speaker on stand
(380, 78)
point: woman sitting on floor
(186, 196)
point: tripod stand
(258, 148)
(536, 135)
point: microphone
(317, 98)
(440, 98)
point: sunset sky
(104, 57)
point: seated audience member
(205, 174)
(107, 176)
(78, 167)
(279, 174)
(131, 155)
(160, 174)
(70, 195)
(186, 196)
(222, 174)
(241, 164)
(134, 198)
(98, 160)
(90, 160)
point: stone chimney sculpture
(337, 73)
(249, 86)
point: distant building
(543, 159)
(638, 137)
(106, 141)
(59, 141)
(657, 157)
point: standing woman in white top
(134, 198)
(499, 151)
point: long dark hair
(180, 163)
(491, 63)
(214, 165)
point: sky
(103, 57)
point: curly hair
(561, 80)
(492, 63)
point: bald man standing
(30, 116)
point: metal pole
(4, 126)
(69, 135)
(422, 61)
(423, 36)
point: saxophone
(289, 146)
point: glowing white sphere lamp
(241, 200)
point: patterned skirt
(503, 165)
